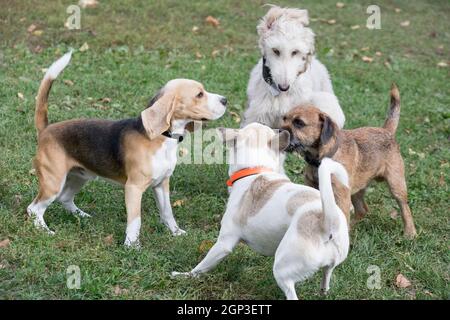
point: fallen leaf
(5, 243)
(394, 214)
(235, 116)
(212, 21)
(118, 290)
(38, 33)
(105, 100)
(214, 53)
(88, 3)
(402, 282)
(68, 82)
(405, 23)
(22, 19)
(205, 245)
(198, 55)
(332, 21)
(84, 47)
(20, 95)
(355, 27)
(397, 10)
(37, 49)
(366, 59)
(365, 48)
(340, 5)
(442, 64)
(179, 203)
(109, 239)
(194, 29)
(388, 65)
(31, 28)
(378, 54)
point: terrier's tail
(41, 112)
(330, 208)
(391, 122)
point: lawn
(133, 48)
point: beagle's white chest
(164, 161)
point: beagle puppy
(301, 226)
(367, 154)
(137, 153)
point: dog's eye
(294, 53)
(200, 94)
(276, 51)
(298, 123)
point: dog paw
(176, 274)
(410, 234)
(81, 213)
(178, 232)
(136, 245)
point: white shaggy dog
(301, 226)
(288, 74)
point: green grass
(134, 49)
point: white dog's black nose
(283, 88)
(223, 101)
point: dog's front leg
(162, 197)
(133, 197)
(223, 247)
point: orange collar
(245, 173)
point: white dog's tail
(40, 116)
(330, 208)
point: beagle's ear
(328, 136)
(156, 118)
(228, 136)
(281, 140)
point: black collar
(176, 136)
(311, 160)
(267, 76)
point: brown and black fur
(367, 153)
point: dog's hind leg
(325, 284)
(50, 184)
(162, 198)
(395, 177)
(359, 204)
(74, 183)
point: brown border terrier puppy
(367, 153)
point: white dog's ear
(281, 140)
(267, 21)
(299, 15)
(156, 118)
(228, 136)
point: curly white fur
(288, 46)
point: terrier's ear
(156, 118)
(328, 136)
(281, 140)
(228, 136)
(267, 21)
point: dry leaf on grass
(194, 29)
(108, 239)
(31, 28)
(88, 3)
(355, 27)
(118, 290)
(5, 243)
(68, 82)
(205, 245)
(84, 47)
(397, 10)
(405, 23)
(366, 59)
(394, 214)
(38, 33)
(214, 53)
(331, 21)
(402, 282)
(105, 100)
(340, 5)
(198, 55)
(442, 64)
(20, 95)
(235, 116)
(212, 21)
(179, 203)
(378, 54)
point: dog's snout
(283, 87)
(223, 101)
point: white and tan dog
(137, 153)
(288, 74)
(302, 227)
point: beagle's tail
(391, 122)
(330, 208)
(41, 112)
